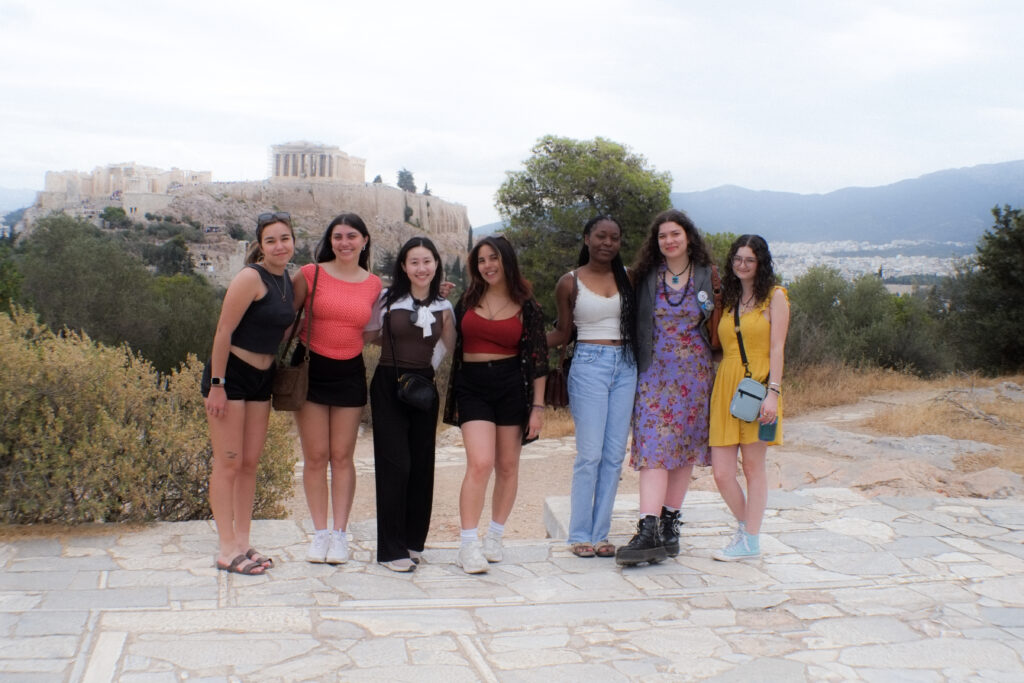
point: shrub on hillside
(92, 433)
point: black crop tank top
(262, 327)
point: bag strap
(298, 316)
(739, 338)
(391, 339)
(716, 283)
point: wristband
(777, 392)
(537, 405)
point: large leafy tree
(75, 276)
(563, 184)
(984, 301)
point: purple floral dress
(670, 415)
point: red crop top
(480, 335)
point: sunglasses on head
(268, 218)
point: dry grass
(958, 414)
(825, 386)
(557, 423)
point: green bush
(92, 433)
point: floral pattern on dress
(670, 415)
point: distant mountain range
(947, 206)
(952, 205)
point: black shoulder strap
(739, 338)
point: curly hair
(650, 256)
(764, 276)
(519, 288)
(627, 309)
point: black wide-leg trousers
(403, 463)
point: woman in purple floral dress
(670, 415)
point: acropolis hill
(311, 181)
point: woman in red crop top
(257, 310)
(496, 390)
(329, 420)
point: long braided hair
(627, 301)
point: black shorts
(332, 382)
(491, 391)
(243, 382)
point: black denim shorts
(244, 382)
(491, 391)
(333, 382)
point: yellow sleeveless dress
(727, 430)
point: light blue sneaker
(743, 546)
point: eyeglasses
(268, 218)
(741, 261)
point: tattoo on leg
(232, 455)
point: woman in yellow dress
(749, 285)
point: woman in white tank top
(597, 300)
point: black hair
(324, 250)
(627, 300)
(401, 286)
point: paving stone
(918, 546)
(35, 548)
(37, 623)
(763, 670)
(936, 653)
(14, 580)
(824, 541)
(842, 632)
(212, 654)
(18, 601)
(860, 564)
(106, 599)
(1007, 590)
(39, 647)
(237, 619)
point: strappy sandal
(258, 557)
(604, 549)
(251, 569)
(582, 550)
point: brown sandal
(250, 569)
(604, 549)
(582, 550)
(259, 558)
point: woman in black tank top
(257, 309)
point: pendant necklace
(665, 290)
(279, 287)
(675, 276)
(491, 315)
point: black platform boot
(645, 546)
(670, 524)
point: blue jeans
(602, 384)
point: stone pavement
(850, 589)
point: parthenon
(307, 161)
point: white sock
(341, 534)
(496, 530)
(320, 532)
(468, 536)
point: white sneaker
(492, 548)
(337, 550)
(318, 547)
(403, 564)
(471, 558)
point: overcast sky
(800, 96)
